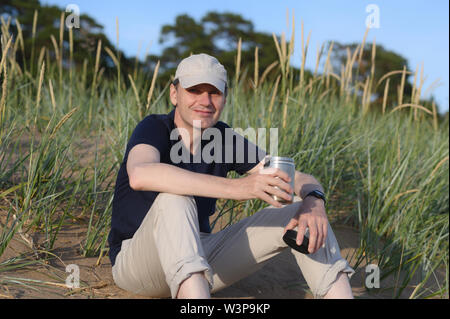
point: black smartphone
(290, 239)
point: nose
(205, 99)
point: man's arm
(303, 184)
(311, 213)
(147, 173)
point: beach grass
(63, 137)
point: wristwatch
(317, 194)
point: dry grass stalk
(342, 84)
(404, 193)
(436, 83)
(435, 120)
(3, 98)
(70, 54)
(267, 71)
(35, 17)
(152, 86)
(97, 63)
(362, 47)
(62, 121)
(5, 25)
(61, 46)
(415, 106)
(419, 91)
(113, 56)
(138, 101)
(413, 92)
(292, 42)
(374, 53)
(256, 73)
(328, 67)
(402, 86)
(42, 55)
(364, 97)
(349, 74)
(305, 53)
(274, 94)
(55, 47)
(439, 165)
(334, 75)
(52, 95)
(238, 61)
(33, 39)
(318, 56)
(84, 72)
(323, 95)
(70, 65)
(5, 53)
(277, 46)
(283, 47)
(21, 41)
(389, 74)
(285, 108)
(41, 79)
(386, 90)
(100, 74)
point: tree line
(215, 33)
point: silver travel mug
(285, 164)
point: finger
(277, 192)
(268, 199)
(319, 237)
(312, 237)
(274, 181)
(325, 232)
(282, 174)
(301, 232)
(291, 225)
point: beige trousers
(168, 248)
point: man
(161, 243)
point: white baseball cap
(201, 68)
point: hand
(263, 184)
(311, 214)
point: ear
(173, 94)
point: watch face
(317, 194)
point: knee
(175, 204)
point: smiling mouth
(204, 112)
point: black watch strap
(317, 194)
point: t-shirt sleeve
(246, 154)
(151, 131)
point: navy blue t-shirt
(130, 206)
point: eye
(193, 91)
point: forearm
(168, 178)
(305, 184)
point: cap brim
(192, 80)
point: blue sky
(416, 29)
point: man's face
(202, 102)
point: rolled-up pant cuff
(330, 277)
(184, 269)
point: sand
(280, 278)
